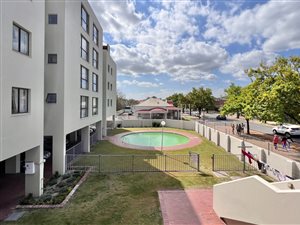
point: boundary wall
(228, 143)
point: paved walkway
(188, 207)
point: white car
(287, 129)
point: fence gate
(232, 162)
(134, 163)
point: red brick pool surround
(193, 140)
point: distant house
(155, 108)
(219, 102)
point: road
(256, 126)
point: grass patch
(127, 198)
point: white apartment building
(22, 89)
(73, 78)
(53, 73)
(109, 88)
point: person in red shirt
(275, 141)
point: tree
(121, 101)
(278, 90)
(233, 102)
(201, 99)
(178, 100)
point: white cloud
(273, 26)
(163, 42)
(143, 84)
(241, 61)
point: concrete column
(104, 128)
(12, 165)
(228, 143)
(59, 153)
(114, 121)
(85, 139)
(218, 138)
(34, 182)
(99, 130)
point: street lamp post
(163, 123)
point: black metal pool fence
(134, 163)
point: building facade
(22, 90)
(73, 78)
(52, 83)
(109, 89)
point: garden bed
(57, 191)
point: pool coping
(193, 140)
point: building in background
(109, 89)
(155, 108)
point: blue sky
(163, 47)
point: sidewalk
(262, 140)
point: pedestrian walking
(275, 141)
(232, 126)
(283, 142)
(238, 129)
(242, 128)
(289, 142)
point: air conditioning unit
(29, 168)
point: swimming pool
(155, 139)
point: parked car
(220, 117)
(287, 129)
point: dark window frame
(94, 107)
(86, 51)
(53, 20)
(107, 102)
(52, 61)
(83, 22)
(95, 61)
(95, 84)
(95, 35)
(84, 99)
(111, 86)
(108, 85)
(49, 98)
(82, 79)
(20, 29)
(111, 102)
(18, 103)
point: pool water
(154, 139)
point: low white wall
(224, 141)
(215, 137)
(254, 200)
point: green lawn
(128, 198)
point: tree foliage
(278, 90)
(201, 99)
(233, 102)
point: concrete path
(188, 207)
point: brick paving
(188, 207)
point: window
(111, 102)
(52, 19)
(52, 58)
(95, 106)
(108, 68)
(95, 34)
(20, 99)
(84, 19)
(84, 49)
(111, 69)
(108, 102)
(95, 58)
(111, 87)
(84, 106)
(84, 78)
(107, 85)
(20, 40)
(51, 98)
(95, 82)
